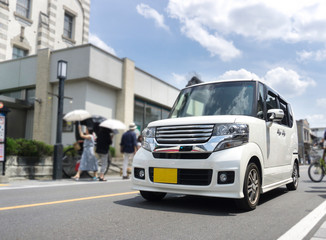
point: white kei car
(232, 139)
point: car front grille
(184, 134)
(195, 177)
(181, 155)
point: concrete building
(97, 81)
(29, 25)
(304, 139)
(32, 32)
(319, 134)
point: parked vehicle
(232, 139)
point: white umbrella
(77, 115)
(113, 124)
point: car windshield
(225, 98)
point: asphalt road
(112, 210)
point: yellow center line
(66, 201)
(4, 185)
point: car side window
(271, 101)
(290, 116)
(260, 102)
(283, 106)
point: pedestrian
(139, 141)
(128, 146)
(104, 140)
(88, 161)
(324, 146)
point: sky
(280, 42)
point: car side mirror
(275, 115)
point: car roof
(237, 80)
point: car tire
(152, 196)
(251, 189)
(295, 177)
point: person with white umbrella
(128, 146)
(88, 161)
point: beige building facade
(97, 81)
(29, 25)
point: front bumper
(222, 161)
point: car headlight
(148, 138)
(233, 135)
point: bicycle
(70, 164)
(316, 170)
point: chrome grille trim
(184, 134)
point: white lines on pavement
(302, 228)
(70, 183)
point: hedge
(28, 148)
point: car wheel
(251, 189)
(295, 177)
(152, 196)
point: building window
(68, 26)
(5, 2)
(13, 94)
(19, 52)
(23, 8)
(145, 113)
(67, 126)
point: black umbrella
(98, 118)
(91, 123)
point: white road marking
(302, 228)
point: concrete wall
(75, 90)
(101, 100)
(154, 89)
(105, 67)
(78, 59)
(91, 96)
(18, 73)
(29, 167)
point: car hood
(195, 120)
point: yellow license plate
(165, 175)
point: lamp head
(62, 69)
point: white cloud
(318, 55)
(213, 43)
(321, 102)
(316, 120)
(287, 82)
(178, 78)
(95, 40)
(239, 74)
(211, 22)
(151, 13)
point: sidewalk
(321, 232)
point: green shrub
(28, 148)
(11, 146)
(112, 151)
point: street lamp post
(58, 147)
